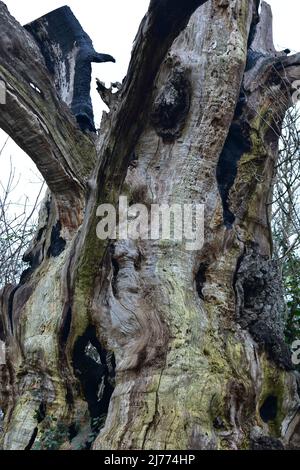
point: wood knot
(172, 105)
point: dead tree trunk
(143, 343)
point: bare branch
(16, 230)
(38, 121)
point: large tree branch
(161, 25)
(35, 117)
(69, 52)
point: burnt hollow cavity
(95, 369)
(269, 408)
(57, 243)
(200, 279)
(41, 412)
(66, 327)
(116, 269)
(238, 143)
(73, 431)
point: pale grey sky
(112, 27)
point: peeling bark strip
(141, 344)
(57, 244)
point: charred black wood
(57, 244)
(69, 53)
(237, 144)
(95, 369)
(261, 305)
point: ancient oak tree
(142, 344)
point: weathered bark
(191, 343)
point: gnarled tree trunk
(143, 343)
